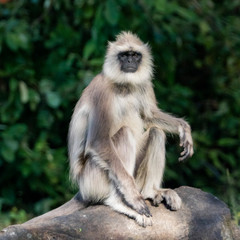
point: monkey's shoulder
(97, 94)
(97, 85)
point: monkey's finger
(186, 153)
(182, 140)
(185, 148)
(182, 135)
(180, 159)
(191, 151)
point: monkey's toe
(157, 199)
(141, 207)
(172, 199)
(144, 221)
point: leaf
(89, 49)
(187, 14)
(47, 3)
(44, 119)
(34, 99)
(96, 62)
(160, 5)
(16, 131)
(204, 27)
(8, 149)
(228, 142)
(16, 40)
(24, 96)
(23, 40)
(45, 85)
(7, 154)
(112, 12)
(1, 40)
(11, 41)
(88, 12)
(11, 144)
(53, 99)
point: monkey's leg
(151, 164)
(95, 187)
(104, 154)
(125, 146)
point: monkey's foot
(144, 221)
(137, 203)
(171, 198)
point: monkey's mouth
(130, 70)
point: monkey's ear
(147, 46)
(110, 44)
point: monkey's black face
(129, 61)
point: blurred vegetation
(50, 50)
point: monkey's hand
(185, 141)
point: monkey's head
(128, 59)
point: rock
(202, 216)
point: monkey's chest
(126, 112)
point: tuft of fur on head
(127, 41)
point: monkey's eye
(137, 56)
(122, 56)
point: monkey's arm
(175, 125)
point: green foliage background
(50, 50)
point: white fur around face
(127, 42)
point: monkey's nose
(129, 59)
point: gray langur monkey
(117, 135)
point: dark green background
(50, 50)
